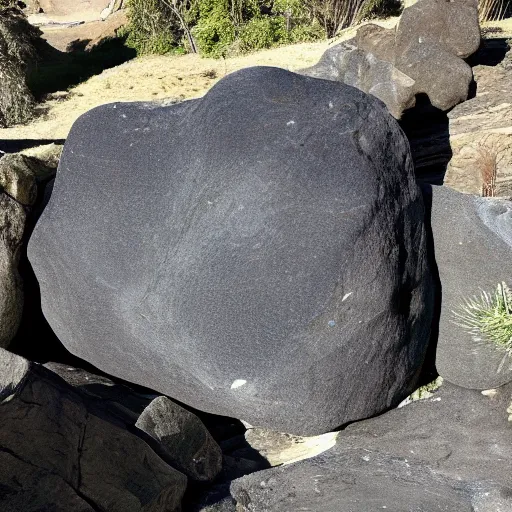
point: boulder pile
(268, 279)
(424, 54)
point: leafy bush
(18, 41)
(153, 27)
(215, 30)
(262, 32)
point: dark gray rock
(184, 441)
(448, 453)
(258, 253)
(57, 454)
(473, 250)
(178, 436)
(422, 55)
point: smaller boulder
(177, 435)
(420, 457)
(473, 247)
(183, 440)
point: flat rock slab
(258, 253)
(449, 453)
(55, 454)
(473, 250)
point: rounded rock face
(257, 253)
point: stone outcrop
(448, 453)
(422, 55)
(20, 176)
(279, 273)
(58, 453)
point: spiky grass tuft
(490, 315)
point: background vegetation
(220, 28)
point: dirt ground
(168, 77)
(160, 78)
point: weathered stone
(422, 55)
(481, 135)
(48, 156)
(55, 454)
(183, 440)
(277, 227)
(473, 248)
(354, 66)
(431, 455)
(452, 25)
(280, 448)
(17, 178)
(12, 226)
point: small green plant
(489, 315)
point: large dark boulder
(258, 253)
(448, 453)
(422, 55)
(473, 251)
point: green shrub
(306, 33)
(152, 27)
(263, 32)
(215, 30)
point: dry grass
(493, 10)
(489, 154)
(487, 163)
(161, 78)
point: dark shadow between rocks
(491, 52)
(239, 459)
(17, 145)
(429, 372)
(427, 129)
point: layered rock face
(481, 135)
(422, 55)
(258, 253)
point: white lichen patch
(290, 123)
(491, 393)
(238, 383)
(346, 296)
